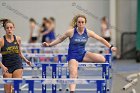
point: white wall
(62, 10)
(126, 19)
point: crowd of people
(46, 31)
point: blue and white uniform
(77, 46)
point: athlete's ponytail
(5, 21)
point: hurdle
(132, 79)
(130, 84)
(100, 82)
(54, 54)
(36, 47)
(17, 81)
(54, 72)
(59, 71)
(44, 49)
(129, 77)
(39, 44)
(105, 69)
(133, 90)
(39, 49)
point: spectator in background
(51, 29)
(48, 33)
(105, 31)
(34, 31)
(43, 29)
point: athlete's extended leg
(17, 73)
(7, 87)
(73, 68)
(93, 57)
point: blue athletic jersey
(10, 53)
(51, 35)
(77, 45)
(48, 37)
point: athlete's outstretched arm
(20, 53)
(102, 40)
(58, 40)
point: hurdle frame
(54, 74)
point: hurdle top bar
(51, 81)
(79, 64)
(46, 55)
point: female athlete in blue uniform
(11, 55)
(78, 37)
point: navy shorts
(11, 69)
(78, 57)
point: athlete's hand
(4, 69)
(114, 49)
(44, 44)
(29, 63)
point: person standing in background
(105, 31)
(34, 31)
(43, 29)
(49, 33)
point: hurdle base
(39, 89)
(60, 89)
(66, 89)
(35, 77)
